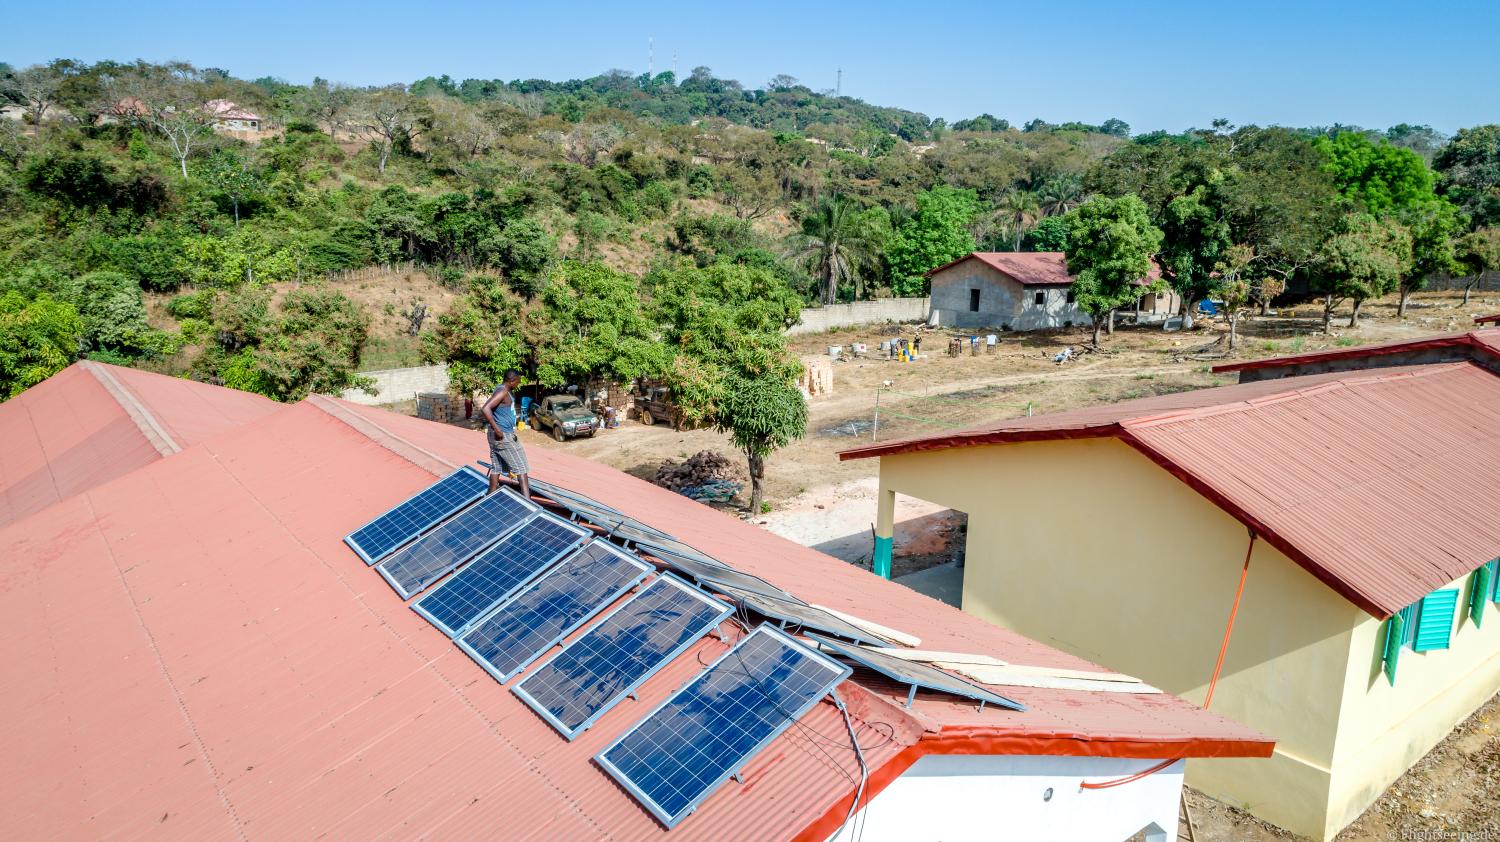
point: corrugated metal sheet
(1381, 484)
(193, 650)
(1493, 318)
(1029, 268)
(1486, 342)
(70, 433)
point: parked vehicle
(656, 405)
(565, 417)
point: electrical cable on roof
(864, 769)
(1213, 680)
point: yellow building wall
(1090, 547)
(1384, 729)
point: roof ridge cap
(413, 453)
(144, 420)
(1357, 378)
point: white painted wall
(948, 798)
(877, 311)
(400, 384)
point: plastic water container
(835, 350)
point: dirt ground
(817, 500)
(821, 502)
(1451, 794)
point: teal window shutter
(1394, 636)
(1435, 620)
(1495, 580)
(1409, 624)
(1480, 591)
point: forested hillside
(632, 225)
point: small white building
(233, 118)
(1018, 291)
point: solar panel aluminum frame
(840, 669)
(600, 514)
(629, 689)
(582, 537)
(708, 576)
(858, 655)
(533, 508)
(765, 605)
(359, 551)
(644, 570)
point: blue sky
(1155, 65)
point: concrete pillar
(885, 530)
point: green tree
(232, 175)
(114, 316)
(1384, 179)
(837, 242)
(726, 324)
(937, 233)
(1434, 228)
(1469, 169)
(1019, 210)
(1050, 234)
(1110, 243)
(480, 336)
(1364, 260)
(38, 338)
(1477, 252)
(596, 326)
(1194, 239)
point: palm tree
(1020, 211)
(835, 242)
(1060, 194)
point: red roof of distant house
(1029, 268)
(91, 423)
(1380, 483)
(1479, 342)
(226, 110)
(193, 647)
(1493, 318)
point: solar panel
(695, 740)
(575, 687)
(551, 608)
(376, 539)
(796, 613)
(713, 573)
(455, 541)
(598, 513)
(498, 572)
(916, 674)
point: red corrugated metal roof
(1486, 342)
(1493, 318)
(91, 423)
(1029, 268)
(193, 649)
(1379, 482)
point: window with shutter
(1495, 580)
(1480, 591)
(1394, 633)
(1409, 624)
(1435, 620)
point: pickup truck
(565, 416)
(656, 405)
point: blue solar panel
(593, 673)
(376, 539)
(520, 630)
(700, 736)
(453, 542)
(498, 572)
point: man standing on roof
(506, 453)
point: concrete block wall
(400, 384)
(819, 319)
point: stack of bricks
(435, 406)
(817, 376)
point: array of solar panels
(512, 581)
